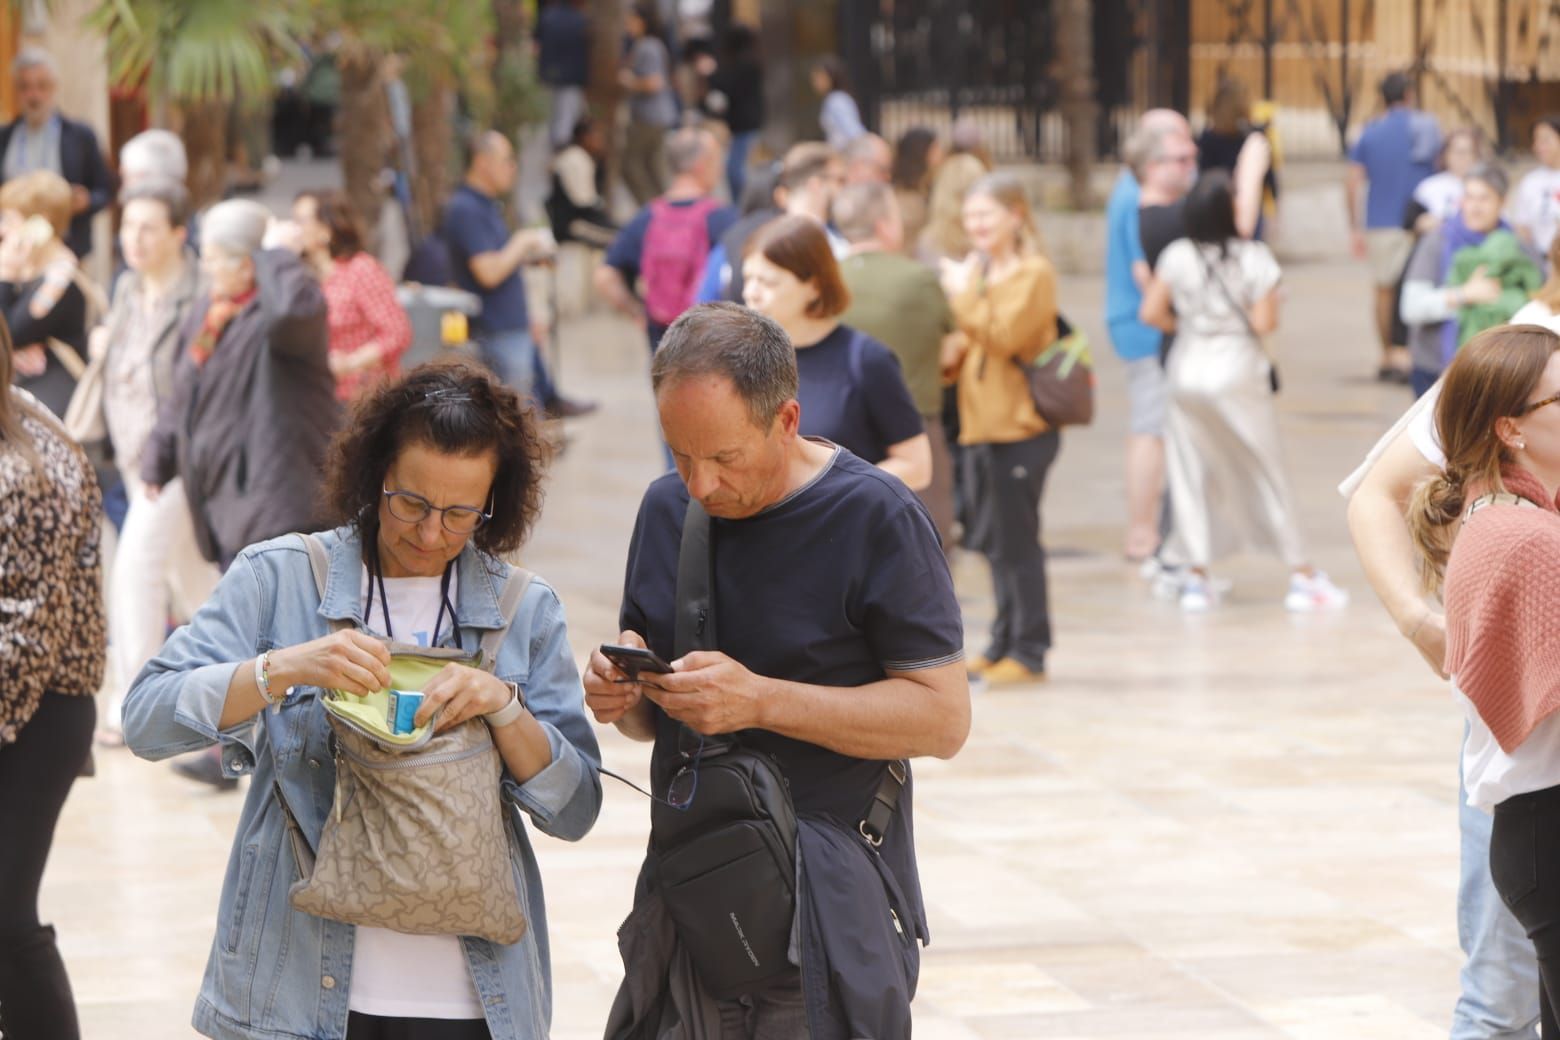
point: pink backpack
(677, 244)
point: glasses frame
(483, 516)
(1535, 406)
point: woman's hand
(351, 661)
(462, 692)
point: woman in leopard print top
(51, 663)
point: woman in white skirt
(1218, 293)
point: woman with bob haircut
(853, 391)
(434, 480)
(1488, 532)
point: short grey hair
(154, 153)
(858, 208)
(235, 227)
(1490, 174)
(728, 340)
(166, 190)
(1145, 144)
(861, 148)
(34, 58)
(686, 147)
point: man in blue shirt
(1161, 151)
(487, 260)
(1395, 152)
(562, 39)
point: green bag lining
(371, 713)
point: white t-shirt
(1535, 313)
(394, 974)
(1490, 775)
(1440, 194)
(1537, 206)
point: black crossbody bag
(725, 832)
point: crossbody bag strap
(508, 606)
(1217, 279)
(885, 802)
(694, 622)
(319, 567)
(694, 627)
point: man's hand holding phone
(612, 679)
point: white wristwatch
(509, 712)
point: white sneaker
(1197, 594)
(1314, 593)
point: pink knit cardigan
(1502, 596)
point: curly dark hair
(453, 406)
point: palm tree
(195, 58)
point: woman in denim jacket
(435, 477)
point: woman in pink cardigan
(1489, 532)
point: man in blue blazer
(40, 138)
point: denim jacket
(275, 972)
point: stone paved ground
(1228, 827)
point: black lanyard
(376, 576)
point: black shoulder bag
(725, 832)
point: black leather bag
(724, 832)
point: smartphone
(634, 661)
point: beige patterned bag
(417, 840)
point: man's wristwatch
(509, 712)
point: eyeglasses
(411, 508)
(1535, 406)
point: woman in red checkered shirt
(369, 329)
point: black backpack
(725, 831)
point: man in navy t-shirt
(1394, 153)
(562, 38)
(841, 650)
(487, 259)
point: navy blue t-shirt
(834, 585)
(629, 246)
(474, 224)
(864, 406)
(563, 45)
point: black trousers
(36, 772)
(373, 1027)
(1525, 866)
(1003, 484)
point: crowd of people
(843, 344)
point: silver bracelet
(263, 679)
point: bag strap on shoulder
(319, 567)
(515, 588)
(695, 620)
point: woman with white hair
(254, 405)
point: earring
(1522, 445)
